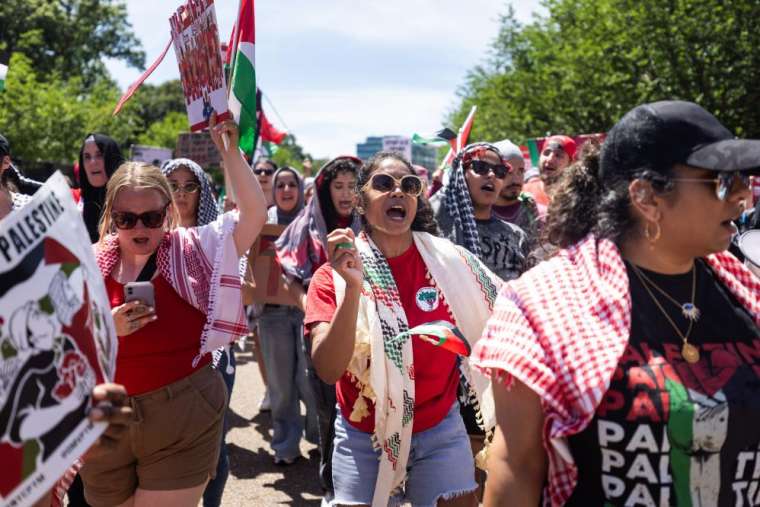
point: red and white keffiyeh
(201, 264)
(561, 328)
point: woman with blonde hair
(164, 358)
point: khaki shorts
(173, 443)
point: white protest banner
(57, 341)
(398, 144)
(196, 43)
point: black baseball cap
(5, 146)
(659, 135)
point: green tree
(164, 132)
(48, 119)
(68, 37)
(582, 65)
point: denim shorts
(440, 464)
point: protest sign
(57, 341)
(264, 269)
(196, 43)
(151, 154)
(398, 144)
(199, 148)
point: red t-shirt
(161, 352)
(436, 375)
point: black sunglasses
(409, 184)
(483, 168)
(128, 220)
(267, 172)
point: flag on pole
(242, 101)
(268, 133)
(3, 73)
(462, 136)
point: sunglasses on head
(188, 188)
(482, 168)
(410, 184)
(266, 172)
(128, 220)
(725, 183)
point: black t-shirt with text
(672, 433)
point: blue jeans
(281, 328)
(212, 495)
(440, 464)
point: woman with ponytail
(625, 366)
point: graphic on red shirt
(436, 375)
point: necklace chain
(690, 353)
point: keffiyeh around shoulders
(201, 264)
(561, 329)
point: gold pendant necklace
(689, 310)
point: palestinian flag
(443, 137)
(3, 73)
(242, 101)
(443, 334)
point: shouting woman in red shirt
(394, 380)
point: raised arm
(517, 461)
(333, 342)
(250, 199)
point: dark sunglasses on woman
(725, 183)
(410, 184)
(188, 188)
(482, 168)
(128, 220)
(265, 172)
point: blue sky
(338, 71)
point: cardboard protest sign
(57, 341)
(265, 269)
(196, 43)
(198, 147)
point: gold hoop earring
(652, 238)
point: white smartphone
(140, 291)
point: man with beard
(513, 205)
(557, 153)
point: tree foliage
(48, 119)
(164, 132)
(578, 68)
(70, 37)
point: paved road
(254, 479)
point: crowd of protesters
(586, 332)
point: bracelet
(347, 246)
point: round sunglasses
(482, 168)
(128, 220)
(190, 187)
(410, 184)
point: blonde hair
(136, 175)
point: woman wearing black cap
(99, 158)
(633, 356)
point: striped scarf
(383, 360)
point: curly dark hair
(424, 220)
(586, 202)
(325, 176)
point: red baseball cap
(567, 144)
